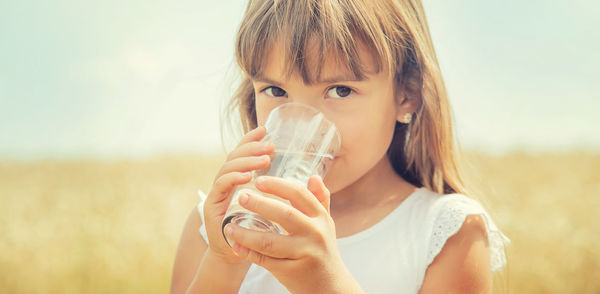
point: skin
(361, 181)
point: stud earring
(407, 118)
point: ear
(408, 92)
(406, 103)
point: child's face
(364, 111)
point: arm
(463, 265)
(216, 268)
(197, 270)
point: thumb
(317, 187)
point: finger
(245, 164)
(291, 219)
(318, 188)
(266, 243)
(267, 262)
(291, 190)
(224, 184)
(253, 135)
(239, 250)
(252, 149)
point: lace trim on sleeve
(450, 219)
(200, 208)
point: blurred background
(110, 123)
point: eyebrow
(343, 78)
(328, 80)
(266, 80)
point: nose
(307, 101)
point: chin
(334, 184)
(335, 177)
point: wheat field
(112, 226)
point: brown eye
(339, 92)
(275, 91)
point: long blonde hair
(424, 152)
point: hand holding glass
(305, 145)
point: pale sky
(135, 78)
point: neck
(380, 183)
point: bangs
(309, 32)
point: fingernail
(243, 199)
(236, 248)
(260, 180)
(228, 230)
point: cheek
(368, 131)
(364, 143)
(263, 108)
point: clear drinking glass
(305, 145)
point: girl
(391, 215)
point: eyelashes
(339, 92)
(275, 91)
(333, 92)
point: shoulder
(193, 229)
(442, 216)
(463, 264)
(460, 245)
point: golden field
(112, 226)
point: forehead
(314, 64)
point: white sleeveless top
(393, 255)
